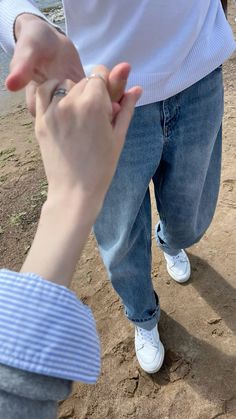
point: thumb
(21, 68)
(122, 121)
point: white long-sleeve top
(170, 44)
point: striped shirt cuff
(45, 329)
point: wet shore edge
(54, 13)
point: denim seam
(169, 125)
(145, 227)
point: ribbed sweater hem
(158, 87)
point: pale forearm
(62, 232)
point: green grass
(7, 153)
(16, 218)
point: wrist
(63, 229)
(72, 208)
(29, 18)
(21, 20)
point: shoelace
(146, 335)
(179, 258)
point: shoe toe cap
(151, 359)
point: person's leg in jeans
(188, 178)
(123, 228)
(123, 231)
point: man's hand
(41, 53)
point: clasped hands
(81, 135)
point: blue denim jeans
(176, 143)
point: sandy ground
(198, 379)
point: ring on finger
(60, 92)
(96, 76)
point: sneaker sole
(160, 363)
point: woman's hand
(79, 140)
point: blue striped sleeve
(45, 329)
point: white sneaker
(149, 349)
(178, 266)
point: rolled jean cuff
(150, 322)
(162, 244)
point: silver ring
(60, 92)
(96, 76)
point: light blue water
(4, 59)
(46, 3)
